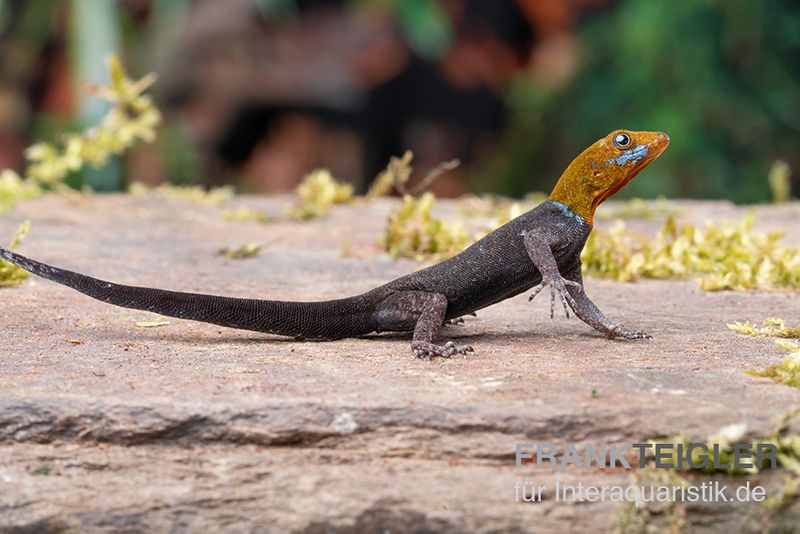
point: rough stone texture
(195, 427)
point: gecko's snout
(662, 138)
(658, 143)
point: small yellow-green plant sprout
(317, 193)
(636, 208)
(14, 189)
(192, 193)
(724, 440)
(133, 117)
(245, 215)
(725, 256)
(138, 189)
(772, 327)
(779, 181)
(196, 194)
(11, 275)
(786, 372)
(784, 438)
(788, 457)
(788, 442)
(412, 232)
(617, 253)
(249, 250)
(395, 175)
(635, 516)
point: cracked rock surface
(107, 426)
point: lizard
(540, 248)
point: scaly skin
(537, 249)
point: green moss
(789, 458)
(787, 495)
(724, 256)
(194, 194)
(642, 519)
(245, 215)
(724, 439)
(771, 327)
(249, 250)
(138, 189)
(317, 193)
(14, 189)
(133, 117)
(197, 194)
(412, 232)
(653, 517)
(395, 175)
(786, 441)
(398, 172)
(786, 372)
(11, 275)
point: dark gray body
(498, 266)
(542, 246)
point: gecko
(540, 248)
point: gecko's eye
(622, 140)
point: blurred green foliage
(721, 77)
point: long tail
(333, 319)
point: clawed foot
(423, 349)
(627, 334)
(557, 285)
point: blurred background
(257, 93)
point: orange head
(605, 167)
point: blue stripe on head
(635, 154)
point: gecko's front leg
(588, 312)
(539, 249)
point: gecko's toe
(430, 351)
(536, 291)
(638, 334)
(452, 348)
(628, 334)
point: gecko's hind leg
(425, 312)
(429, 325)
